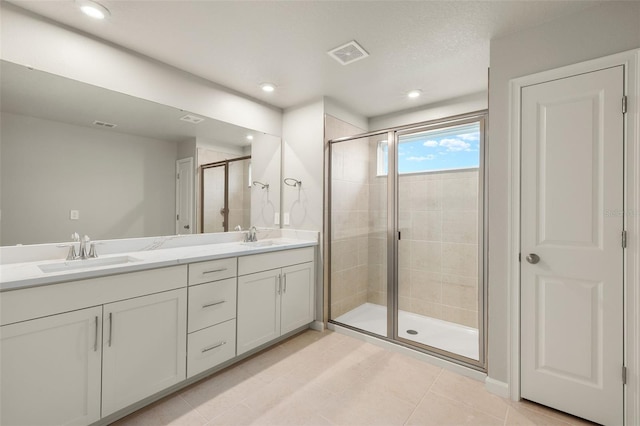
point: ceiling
(439, 47)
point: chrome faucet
(251, 235)
(83, 247)
(82, 251)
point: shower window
(407, 236)
(451, 148)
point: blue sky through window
(450, 148)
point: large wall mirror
(80, 158)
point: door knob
(186, 227)
(533, 258)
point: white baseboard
(497, 387)
(317, 325)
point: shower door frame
(393, 234)
(225, 164)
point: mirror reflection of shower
(293, 182)
(261, 185)
(225, 197)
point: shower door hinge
(519, 257)
(624, 239)
(624, 104)
(177, 217)
(399, 237)
(624, 375)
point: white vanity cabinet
(275, 295)
(51, 369)
(212, 314)
(144, 347)
(77, 351)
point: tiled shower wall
(438, 251)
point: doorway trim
(631, 62)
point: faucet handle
(75, 237)
(92, 252)
(72, 255)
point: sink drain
(412, 332)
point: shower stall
(406, 236)
(225, 195)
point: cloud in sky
(459, 143)
(470, 136)
(455, 144)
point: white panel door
(144, 347)
(258, 309)
(184, 196)
(571, 213)
(50, 370)
(297, 297)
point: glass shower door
(213, 198)
(438, 293)
(358, 230)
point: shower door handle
(533, 258)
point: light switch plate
(286, 219)
(276, 218)
(74, 214)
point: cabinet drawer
(274, 260)
(210, 347)
(211, 303)
(213, 270)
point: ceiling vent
(104, 124)
(348, 53)
(193, 119)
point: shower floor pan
(451, 337)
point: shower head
(292, 182)
(261, 185)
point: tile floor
(328, 378)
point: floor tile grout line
(423, 396)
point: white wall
(448, 108)
(302, 135)
(122, 185)
(30, 40)
(598, 31)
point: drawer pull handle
(208, 305)
(213, 271)
(210, 348)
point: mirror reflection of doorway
(225, 198)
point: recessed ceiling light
(268, 87)
(93, 9)
(414, 94)
(249, 137)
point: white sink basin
(263, 243)
(70, 265)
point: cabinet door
(258, 309)
(50, 370)
(144, 347)
(297, 296)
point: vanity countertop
(17, 276)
